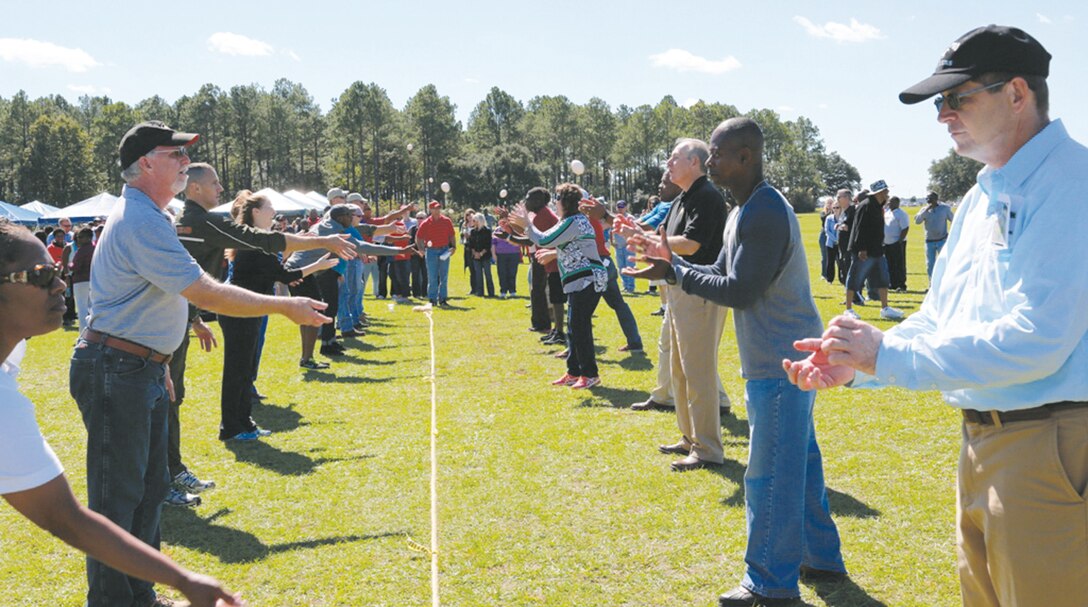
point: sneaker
(189, 482)
(177, 497)
(858, 299)
(548, 335)
(586, 382)
(849, 313)
(630, 348)
(313, 365)
(332, 349)
(261, 432)
(566, 380)
(659, 312)
(252, 435)
(891, 313)
(556, 340)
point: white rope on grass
(435, 601)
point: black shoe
(742, 597)
(548, 336)
(808, 574)
(648, 405)
(557, 339)
(331, 350)
(351, 333)
(311, 364)
(659, 312)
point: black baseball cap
(146, 136)
(993, 48)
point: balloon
(577, 167)
(445, 187)
(502, 193)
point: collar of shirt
(1023, 163)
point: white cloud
(684, 61)
(823, 106)
(690, 102)
(88, 89)
(840, 32)
(237, 44)
(36, 53)
(1043, 19)
(292, 54)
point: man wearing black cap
(1002, 333)
(119, 377)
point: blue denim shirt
(656, 215)
(1005, 323)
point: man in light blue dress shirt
(1003, 333)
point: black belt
(124, 345)
(990, 418)
(938, 239)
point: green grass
(547, 496)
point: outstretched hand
(654, 250)
(815, 372)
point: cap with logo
(146, 136)
(878, 186)
(993, 48)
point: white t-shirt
(894, 223)
(26, 460)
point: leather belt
(996, 418)
(124, 345)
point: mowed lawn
(547, 496)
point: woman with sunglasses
(31, 477)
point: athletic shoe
(630, 348)
(188, 481)
(313, 365)
(548, 335)
(556, 340)
(566, 380)
(252, 435)
(659, 312)
(586, 382)
(351, 333)
(891, 313)
(849, 313)
(177, 497)
(261, 432)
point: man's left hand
(852, 343)
(204, 335)
(339, 245)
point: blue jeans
(614, 299)
(482, 275)
(932, 249)
(873, 268)
(351, 296)
(789, 521)
(437, 272)
(624, 260)
(581, 359)
(370, 272)
(508, 272)
(124, 405)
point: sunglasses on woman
(41, 275)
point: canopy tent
(39, 207)
(280, 203)
(17, 214)
(84, 210)
(305, 200)
(318, 198)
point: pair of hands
(649, 248)
(848, 345)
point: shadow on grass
(844, 593)
(287, 463)
(614, 398)
(841, 503)
(184, 527)
(331, 378)
(633, 362)
(275, 417)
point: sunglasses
(41, 275)
(176, 153)
(955, 100)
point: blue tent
(17, 214)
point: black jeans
(402, 270)
(239, 355)
(383, 276)
(329, 285)
(419, 277)
(177, 375)
(582, 359)
(538, 298)
(896, 254)
(508, 272)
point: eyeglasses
(955, 100)
(175, 153)
(41, 275)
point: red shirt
(435, 232)
(54, 251)
(598, 234)
(544, 220)
(399, 241)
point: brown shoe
(648, 405)
(680, 448)
(691, 462)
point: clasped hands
(848, 345)
(649, 248)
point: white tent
(39, 207)
(318, 198)
(282, 204)
(305, 200)
(84, 210)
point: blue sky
(841, 64)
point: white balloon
(577, 167)
(445, 187)
(502, 193)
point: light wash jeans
(624, 260)
(614, 299)
(370, 272)
(437, 272)
(789, 521)
(932, 249)
(351, 296)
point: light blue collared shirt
(1005, 323)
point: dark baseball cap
(146, 136)
(993, 48)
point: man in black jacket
(866, 246)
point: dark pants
(177, 375)
(538, 298)
(896, 254)
(419, 277)
(471, 271)
(582, 359)
(402, 271)
(240, 337)
(508, 272)
(480, 275)
(383, 276)
(831, 259)
(328, 284)
(123, 401)
(614, 299)
(844, 260)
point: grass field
(547, 497)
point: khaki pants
(662, 392)
(1022, 519)
(696, 326)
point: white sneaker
(891, 313)
(850, 313)
(177, 497)
(188, 482)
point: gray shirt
(138, 273)
(328, 226)
(936, 219)
(761, 273)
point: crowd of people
(995, 334)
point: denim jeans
(481, 275)
(875, 269)
(350, 295)
(789, 521)
(933, 247)
(624, 260)
(370, 273)
(401, 271)
(581, 360)
(508, 272)
(437, 272)
(614, 299)
(123, 401)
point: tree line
(59, 152)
